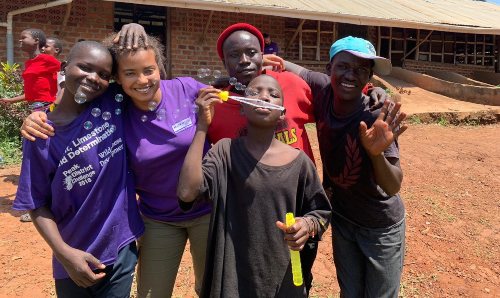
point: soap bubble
(80, 97)
(216, 74)
(112, 128)
(96, 112)
(176, 114)
(119, 97)
(161, 114)
(144, 118)
(203, 73)
(106, 116)
(118, 111)
(152, 105)
(87, 125)
(238, 86)
(195, 109)
(233, 81)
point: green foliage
(415, 119)
(11, 82)
(11, 115)
(442, 121)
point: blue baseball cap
(361, 48)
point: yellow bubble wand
(294, 255)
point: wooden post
(379, 40)
(390, 43)
(318, 42)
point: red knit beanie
(237, 27)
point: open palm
(383, 131)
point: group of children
(229, 200)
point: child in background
(53, 46)
(40, 72)
(77, 187)
(253, 181)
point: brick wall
(191, 49)
(465, 70)
(89, 19)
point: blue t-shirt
(81, 174)
(157, 146)
(271, 48)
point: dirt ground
(451, 191)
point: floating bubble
(80, 97)
(195, 109)
(216, 74)
(87, 125)
(233, 81)
(161, 114)
(96, 112)
(144, 118)
(119, 97)
(243, 87)
(251, 92)
(152, 105)
(211, 83)
(201, 73)
(238, 86)
(112, 128)
(176, 114)
(106, 116)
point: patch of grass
(443, 121)
(440, 211)
(415, 119)
(411, 285)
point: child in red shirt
(40, 71)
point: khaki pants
(160, 252)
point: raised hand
(384, 130)
(276, 62)
(76, 263)
(207, 97)
(129, 35)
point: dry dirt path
(451, 191)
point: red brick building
(190, 29)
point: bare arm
(36, 126)
(378, 138)
(18, 98)
(191, 176)
(76, 262)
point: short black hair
(266, 35)
(57, 43)
(38, 34)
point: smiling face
(242, 56)
(138, 74)
(265, 88)
(349, 74)
(88, 70)
(27, 42)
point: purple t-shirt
(81, 175)
(157, 147)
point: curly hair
(153, 44)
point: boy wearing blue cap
(362, 175)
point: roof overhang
(472, 17)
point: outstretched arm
(18, 98)
(75, 261)
(378, 138)
(191, 176)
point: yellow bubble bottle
(294, 255)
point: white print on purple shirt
(79, 175)
(181, 125)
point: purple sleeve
(392, 150)
(34, 190)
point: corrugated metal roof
(466, 16)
